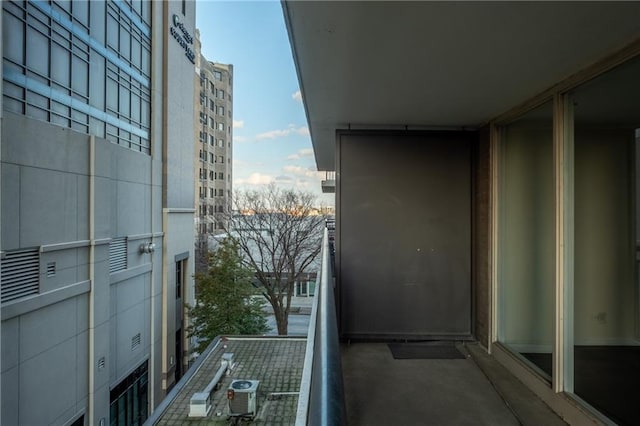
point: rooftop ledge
(276, 362)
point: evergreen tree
(224, 299)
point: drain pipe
(91, 403)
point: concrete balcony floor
(381, 390)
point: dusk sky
(271, 138)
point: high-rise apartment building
(96, 207)
(213, 128)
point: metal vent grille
(101, 363)
(20, 270)
(51, 269)
(240, 403)
(117, 254)
(135, 341)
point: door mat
(421, 350)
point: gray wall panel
(10, 348)
(102, 349)
(82, 370)
(127, 324)
(404, 223)
(49, 367)
(10, 396)
(48, 207)
(47, 327)
(130, 210)
(10, 206)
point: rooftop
(274, 361)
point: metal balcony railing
(321, 400)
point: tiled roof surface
(276, 362)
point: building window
(220, 94)
(212, 158)
(527, 211)
(221, 159)
(212, 175)
(211, 192)
(54, 82)
(179, 278)
(129, 399)
(221, 126)
(217, 75)
(604, 119)
(221, 176)
(221, 143)
(78, 422)
(221, 110)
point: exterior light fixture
(147, 248)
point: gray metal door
(404, 234)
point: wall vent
(51, 269)
(118, 254)
(20, 274)
(101, 363)
(135, 341)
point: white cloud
(303, 171)
(284, 179)
(304, 131)
(238, 124)
(297, 96)
(240, 139)
(280, 133)
(307, 152)
(256, 179)
(272, 134)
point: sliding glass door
(527, 238)
(606, 351)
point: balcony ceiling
(440, 64)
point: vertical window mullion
(564, 306)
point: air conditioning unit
(242, 398)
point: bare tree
(280, 234)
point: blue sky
(271, 138)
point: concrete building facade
(213, 131)
(96, 208)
